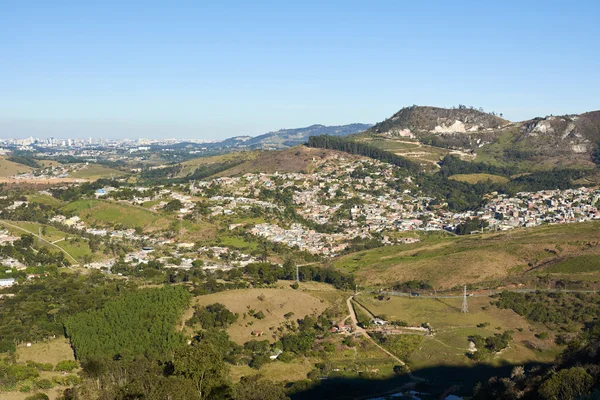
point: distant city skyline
(192, 70)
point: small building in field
(8, 282)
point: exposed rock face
(439, 120)
(567, 139)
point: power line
(465, 305)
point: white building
(7, 282)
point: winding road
(41, 238)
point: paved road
(41, 238)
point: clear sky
(199, 69)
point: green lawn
(94, 171)
(107, 213)
(237, 243)
(43, 199)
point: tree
(203, 364)
(173, 205)
(256, 388)
(567, 384)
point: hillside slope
(565, 141)
(285, 138)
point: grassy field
(191, 165)
(577, 264)
(44, 199)
(452, 327)
(51, 235)
(446, 262)
(52, 352)
(9, 168)
(294, 159)
(43, 352)
(105, 213)
(409, 148)
(276, 371)
(95, 171)
(475, 178)
(276, 303)
(237, 243)
(196, 231)
(75, 246)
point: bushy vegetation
(212, 316)
(553, 308)
(573, 375)
(267, 273)
(401, 345)
(25, 160)
(410, 286)
(138, 323)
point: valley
(341, 261)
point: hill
(285, 138)
(10, 168)
(447, 262)
(542, 142)
(295, 159)
(415, 120)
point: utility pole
(465, 305)
(297, 274)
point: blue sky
(194, 69)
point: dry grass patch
(476, 178)
(52, 352)
(275, 304)
(9, 168)
(276, 371)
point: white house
(7, 282)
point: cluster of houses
(302, 238)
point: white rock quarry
(457, 126)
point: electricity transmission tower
(465, 305)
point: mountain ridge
(571, 139)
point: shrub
(295, 285)
(37, 396)
(567, 384)
(44, 384)
(329, 347)
(25, 388)
(258, 361)
(259, 315)
(542, 335)
(66, 365)
(400, 369)
(286, 356)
